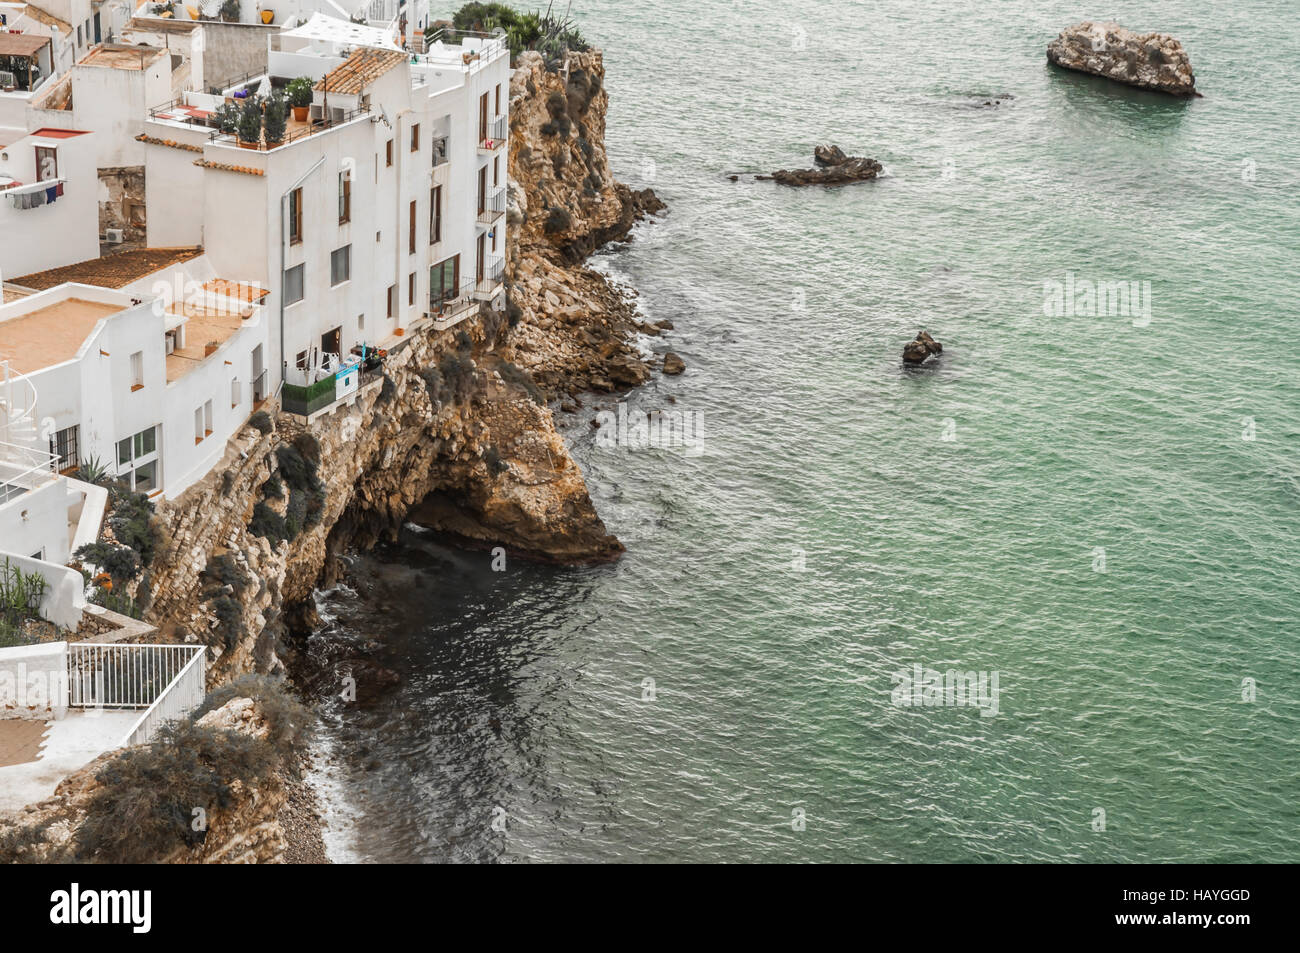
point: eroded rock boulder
(916, 351)
(833, 167)
(1153, 61)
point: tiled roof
(23, 44)
(169, 143)
(238, 290)
(110, 271)
(359, 70)
(226, 167)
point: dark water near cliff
(847, 520)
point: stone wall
(122, 204)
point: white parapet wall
(34, 681)
(64, 598)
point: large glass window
(137, 460)
(443, 278)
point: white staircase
(17, 411)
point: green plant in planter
(299, 90)
(274, 119)
(250, 120)
(230, 11)
(227, 117)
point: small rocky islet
(1154, 61)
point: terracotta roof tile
(226, 167)
(110, 271)
(359, 70)
(169, 143)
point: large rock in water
(833, 167)
(1149, 60)
(916, 351)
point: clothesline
(35, 195)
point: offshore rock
(1153, 61)
(916, 351)
(833, 168)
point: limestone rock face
(574, 330)
(1153, 61)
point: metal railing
(259, 387)
(124, 676)
(325, 122)
(493, 137)
(451, 302)
(23, 469)
(493, 273)
(178, 698)
(494, 206)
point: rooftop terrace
(110, 271)
(50, 334)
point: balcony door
(479, 257)
(482, 190)
(482, 117)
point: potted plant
(273, 120)
(250, 123)
(230, 11)
(300, 96)
(227, 118)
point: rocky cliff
(458, 434)
(1153, 61)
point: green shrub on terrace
(513, 374)
(261, 422)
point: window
(410, 289)
(79, 41)
(234, 393)
(66, 446)
(293, 285)
(198, 425)
(443, 278)
(415, 138)
(392, 301)
(301, 361)
(435, 215)
(340, 265)
(295, 216)
(47, 163)
(361, 322)
(496, 170)
(137, 465)
(137, 370)
(411, 243)
(439, 150)
(482, 117)
(482, 190)
(493, 235)
(345, 198)
(389, 151)
(498, 100)
(207, 418)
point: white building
(380, 212)
(48, 207)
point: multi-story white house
(272, 269)
(381, 210)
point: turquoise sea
(1103, 509)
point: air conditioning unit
(113, 236)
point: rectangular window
(435, 215)
(293, 285)
(412, 241)
(134, 448)
(145, 477)
(388, 149)
(340, 265)
(482, 190)
(47, 163)
(301, 361)
(443, 278)
(496, 170)
(392, 301)
(124, 451)
(345, 198)
(137, 370)
(66, 446)
(207, 418)
(146, 442)
(410, 289)
(234, 392)
(415, 138)
(498, 100)
(295, 216)
(439, 150)
(198, 424)
(482, 117)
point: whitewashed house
(382, 212)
